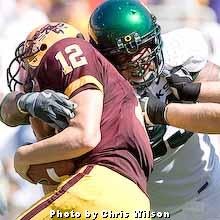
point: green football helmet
(122, 29)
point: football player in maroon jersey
(110, 146)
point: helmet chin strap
(142, 85)
(144, 78)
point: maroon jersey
(73, 65)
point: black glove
(50, 106)
(181, 84)
(154, 110)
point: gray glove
(50, 106)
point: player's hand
(153, 109)
(181, 83)
(52, 107)
(20, 167)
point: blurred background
(19, 17)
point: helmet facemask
(140, 57)
(19, 64)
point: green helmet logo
(125, 27)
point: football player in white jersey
(186, 176)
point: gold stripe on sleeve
(73, 86)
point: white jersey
(181, 171)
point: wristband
(155, 110)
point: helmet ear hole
(80, 35)
(43, 47)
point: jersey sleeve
(185, 46)
(71, 66)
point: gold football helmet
(30, 52)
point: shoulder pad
(185, 44)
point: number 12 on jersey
(74, 54)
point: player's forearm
(210, 92)
(82, 135)
(200, 118)
(70, 143)
(9, 113)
